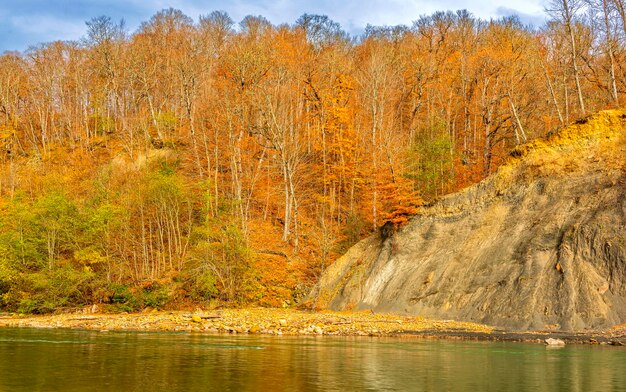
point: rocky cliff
(541, 244)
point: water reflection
(53, 360)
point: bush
(353, 231)
(5, 279)
(124, 298)
(155, 296)
(204, 286)
(133, 299)
(228, 265)
(48, 290)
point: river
(66, 360)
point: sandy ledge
(293, 322)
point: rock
(282, 322)
(554, 342)
(318, 330)
(255, 329)
(502, 251)
(196, 319)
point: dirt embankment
(540, 245)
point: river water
(64, 360)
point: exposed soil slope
(541, 244)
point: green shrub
(124, 299)
(204, 286)
(49, 290)
(5, 279)
(156, 296)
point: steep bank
(539, 245)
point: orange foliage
(260, 154)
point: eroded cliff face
(540, 244)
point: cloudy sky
(29, 22)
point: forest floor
(295, 322)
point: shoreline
(288, 322)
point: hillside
(201, 162)
(540, 244)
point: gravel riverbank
(294, 322)
(259, 321)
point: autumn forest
(227, 164)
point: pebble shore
(247, 321)
(290, 322)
